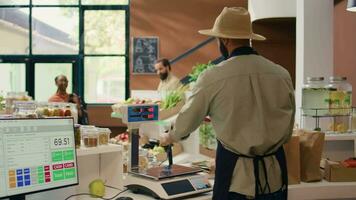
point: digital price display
(61, 142)
(142, 113)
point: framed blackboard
(144, 54)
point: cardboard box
(335, 172)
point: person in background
(61, 95)
(168, 82)
(250, 101)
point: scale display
(142, 113)
(186, 185)
(36, 155)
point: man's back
(250, 101)
(250, 104)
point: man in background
(168, 82)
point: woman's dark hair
(57, 77)
(165, 62)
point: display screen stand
(18, 197)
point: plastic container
(90, 138)
(340, 100)
(25, 109)
(315, 97)
(103, 135)
(11, 97)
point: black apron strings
(225, 165)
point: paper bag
(311, 148)
(292, 151)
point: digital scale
(164, 182)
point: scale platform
(159, 173)
(180, 184)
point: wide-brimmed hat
(234, 23)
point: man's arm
(191, 115)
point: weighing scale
(163, 182)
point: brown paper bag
(311, 148)
(292, 151)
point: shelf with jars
(327, 106)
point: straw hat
(234, 23)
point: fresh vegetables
(207, 136)
(198, 69)
(173, 98)
(1, 102)
(137, 101)
(158, 149)
(123, 137)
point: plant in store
(173, 98)
(198, 69)
(207, 136)
(2, 103)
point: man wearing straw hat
(250, 101)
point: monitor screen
(36, 155)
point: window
(14, 2)
(14, 31)
(12, 77)
(104, 61)
(87, 40)
(44, 78)
(57, 34)
(105, 2)
(104, 32)
(104, 79)
(55, 2)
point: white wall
(314, 43)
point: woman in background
(61, 95)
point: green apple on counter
(97, 188)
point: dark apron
(225, 165)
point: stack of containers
(92, 136)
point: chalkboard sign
(145, 54)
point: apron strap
(225, 163)
(281, 157)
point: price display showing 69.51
(61, 142)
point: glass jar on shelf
(315, 97)
(104, 135)
(90, 138)
(77, 136)
(340, 96)
(353, 120)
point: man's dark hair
(165, 62)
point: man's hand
(165, 139)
